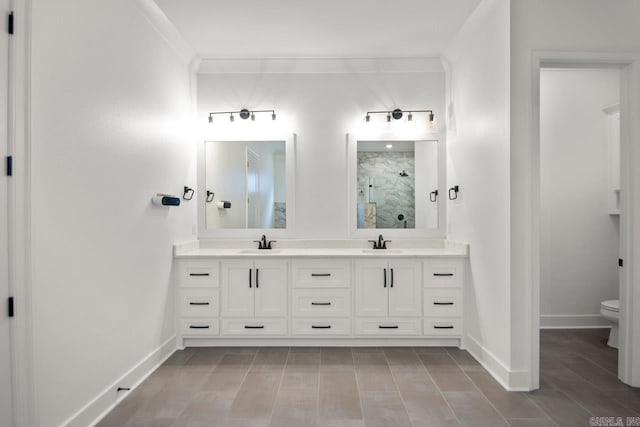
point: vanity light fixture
(397, 114)
(244, 114)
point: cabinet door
(405, 288)
(271, 288)
(372, 285)
(237, 286)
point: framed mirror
(246, 187)
(395, 187)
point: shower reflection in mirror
(388, 175)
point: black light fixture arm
(243, 114)
(397, 114)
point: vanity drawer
(199, 302)
(321, 273)
(200, 327)
(198, 273)
(442, 302)
(388, 327)
(443, 273)
(442, 326)
(321, 326)
(321, 302)
(254, 327)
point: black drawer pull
(320, 303)
(443, 274)
(388, 327)
(321, 327)
(198, 303)
(257, 280)
(198, 274)
(442, 327)
(253, 327)
(391, 277)
(442, 303)
(250, 278)
(385, 277)
(198, 327)
(320, 274)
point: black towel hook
(210, 195)
(433, 196)
(455, 190)
(188, 193)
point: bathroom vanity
(303, 293)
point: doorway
(6, 377)
(628, 365)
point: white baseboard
(573, 321)
(102, 404)
(509, 379)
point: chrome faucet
(380, 243)
(263, 243)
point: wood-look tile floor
(396, 387)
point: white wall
(549, 25)
(110, 104)
(478, 161)
(579, 244)
(320, 108)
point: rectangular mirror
(395, 186)
(245, 185)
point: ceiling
(325, 28)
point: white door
(253, 190)
(237, 283)
(405, 288)
(372, 286)
(271, 288)
(5, 338)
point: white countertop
(342, 249)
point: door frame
(629, 66)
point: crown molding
(320, 65)
(167, 30)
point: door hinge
(620, 262)
(9, 165)
(10, 22)
(10, 307)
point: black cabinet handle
(250, 278)
(320, 274)
(442, 303)
(198, 327)
(198, 274)
(257, 283)
(321, 327)
(198, 303)
(443, 274)
(320, 303)
(442, 327)
(253, 327)
(385, 277)
(388, 327)
(392, 277)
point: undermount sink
(382, 251)
(260, 251)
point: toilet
(609, 309)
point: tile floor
(396, 387)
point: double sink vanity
(322, 292)
(234, 290)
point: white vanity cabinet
(388, 290)
(321, 297)
(198, 298)
(252, 292)
(443, 297)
